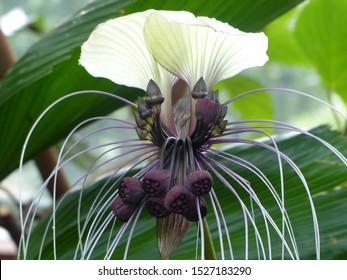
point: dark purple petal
(207, 111)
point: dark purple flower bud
(153, 90)
(154, 96)
(123, 210)
(177, 199)
(139, 122)
(131, 190)
(144, 109)
(155, 100)
(199, 90)
(207, 111)
(156, 181)
(200, 182)
(192, 213)
(155, 206)
(143, 134)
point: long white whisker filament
(133, 229)
(214, 196)
(22, 243)
(220, 234)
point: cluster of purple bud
(162, 200)
(148, 125)
(158, 188)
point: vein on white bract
(169, 167)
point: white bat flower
(174, 158)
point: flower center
(179, 180)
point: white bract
(167, 47)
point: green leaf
(326, 176)
(258, 106)
(322, 34)
(283, 46)
(50, 70)
(47, 72)
(247, 15)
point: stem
(9, 222)
(210, 253)
(46, 161)
(6, 55)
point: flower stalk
(210, 252)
